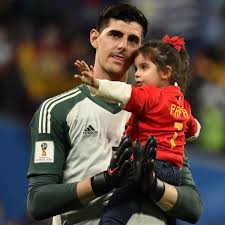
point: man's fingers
(124, 143)
(150, 148)
(149, 166)
(152, 153)
(125, 168)
(137, 149)
(122, 152)
(125, 138)
(124, 156)
(150, 142)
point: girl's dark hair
(122, 11)
(163, 54)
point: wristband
(158, 191)
(98, 184)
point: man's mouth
(120, 58)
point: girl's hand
(86, 74)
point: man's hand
(143, 158)
(118, 170)
(86, 74)
(144, 175)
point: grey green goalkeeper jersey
(72, 136)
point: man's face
(115, 46)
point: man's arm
(184, 201)
(48, 197)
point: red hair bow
(176, 41)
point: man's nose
(123, 43)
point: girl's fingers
(77, 76)
(78, 62)
(78, 65)
(85, 66)
(82, 66)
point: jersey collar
(111, 107)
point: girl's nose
(136, 74)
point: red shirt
(165, 114)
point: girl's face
(146, 72)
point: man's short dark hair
(122, 11)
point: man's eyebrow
(120, 33)
(115, 32)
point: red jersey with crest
(165, 114)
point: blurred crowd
(41, 39)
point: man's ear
(166, 73)
(94, 38)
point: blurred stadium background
(39, 41)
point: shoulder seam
(44, 123)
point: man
(80, 135)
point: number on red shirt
(179, 127)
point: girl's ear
(167, 73)
(94, 34)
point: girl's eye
(144, 66)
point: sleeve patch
(44, 152)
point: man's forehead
(129, 28)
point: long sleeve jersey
(72, 136)
(161, 112)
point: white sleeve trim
(195, 136)
(113, 91)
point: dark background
(41, 39)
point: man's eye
(134, 40)
(115, 34)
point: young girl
(158, 108)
